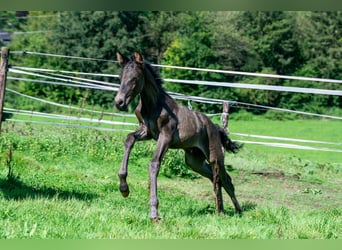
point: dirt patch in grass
(278, 189)
(263, 188)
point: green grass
(64, 185)
(318, 130)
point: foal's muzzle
(121, 102)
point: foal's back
(195, 130)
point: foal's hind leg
(222, 177)
(217, 187)
(227, 184)
(195, 159)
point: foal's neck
(152, 92)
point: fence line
(233, 72)
(73, 81)
(81, 119)
(88, 80)
(192, 98)
(289, 110)
(82, 109)
(185, 97)
(69, 106)
(63, 71)
(211, 100)
(57, 55)
(285, 139)
(88, 86)
(70, 125)
(65, 117)
(291, 146)
(59, 79)
(178, 96)
(260, 87)
(220, 101)
(15, 69)
(226, 84)
(269, 144)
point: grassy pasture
(63, 185)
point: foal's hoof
(155, 219)
(238, 211)
(124, 191)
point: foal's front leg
(162, 147)
(139, 134)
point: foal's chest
(152, 128)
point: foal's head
(131, 79)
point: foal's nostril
(119, 103)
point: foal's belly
(192, 130)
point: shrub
(174, 165)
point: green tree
(10, 22)
(321, 39)
(234, 50)
(157, 30)
(193, 48)
(272, 35)
(321, 42)
(91, 34)
(291, 43)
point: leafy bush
(242, 115)
(174, 165)
(279, 116)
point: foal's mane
(154, 73)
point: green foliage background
(299, 43)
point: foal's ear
(121, 59)
(138, 57)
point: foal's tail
(228, 144)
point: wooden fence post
(3, 76)
(225, 117)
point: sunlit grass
(65, 186)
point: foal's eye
(135, 79)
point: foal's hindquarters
(206, 156)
